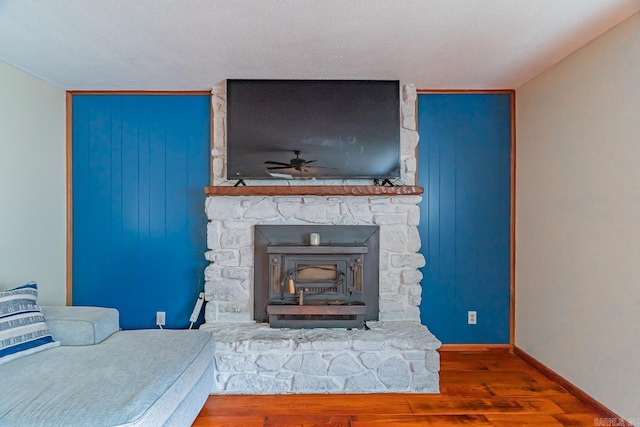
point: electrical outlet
(160, 318)
(472, 317)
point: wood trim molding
(476, 347)
(512, 240)
(314, 190)
(140, 92)
(69, 175)
(465, 91)
(571, 388)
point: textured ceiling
(183, 45)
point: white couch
(101, 376)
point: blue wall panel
(140, 163)
(464, 165)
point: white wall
(578, 218)
(32, 184)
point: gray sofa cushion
(81, 325)
(134, 378)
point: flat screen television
(324, 129)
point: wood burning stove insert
(332, 284)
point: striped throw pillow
(22, 327)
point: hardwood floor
(484, 388)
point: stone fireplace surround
(397, 354)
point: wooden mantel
(314, 190)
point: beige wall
(32, 184)
(578, 218)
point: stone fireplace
(394, 353)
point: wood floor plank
(228, 421)
(536, 388)
(465, 389)
(419, 420)
(308, 404)
(477, 388)
(577, 420)
(494, 405)
(511, 420)
(572, 405)
(307, 421)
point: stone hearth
(395, 357)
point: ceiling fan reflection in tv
(296, 166)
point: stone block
(388, 307)
(360, 212)
(410, 165)
(408, 141)
(232, 307)
(411, 276)
(407, 260)
(371, 360)
(432, 361)
(394, 238)
(237, 273)
(384, 260)
(408, 117)
(412, 313)
(413, 239)
(415, 295)
(365, 383)
(417, 366)
(270, 362)
(213, 235)
(288, 209)
(255, 384)
(284, 375)
(344, 364)
(219, 101)
(212, 273)
(426, 383)
(223, 257)
(269, 344)
(313, 384)
(287, 200)
(246, 257)
(384, 208)
(394, 373)
(231, 224)
(413, 216)
(391, 316)
(236, 238)
(414, 354)
(234, 363)
(229, 290)
(372, 341)
(219, 166)
(407, 200)
(319, 213)
(329, 345)
(210, 311)
(232, 316)
(389, 219)
(264, 209)
(223, 208)
(389, 282)
(294, 363)
(409, 93)
(314, 364)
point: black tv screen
(325, 129)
